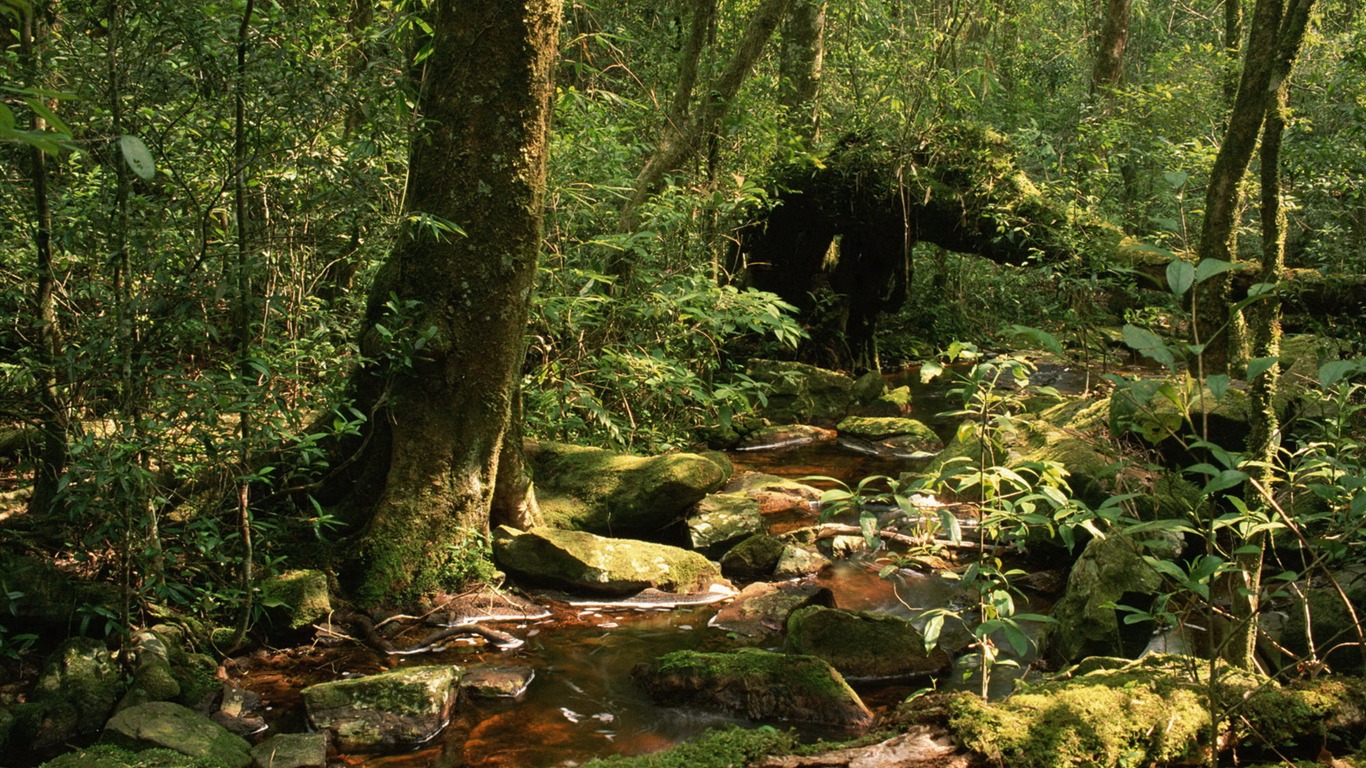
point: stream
(582, 702)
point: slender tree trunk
(52, 416)
(801, 64)
(1108, 70)
(680, 143)
(701, 29)
(1264, 438)
(1216, 327)
(1233, 43)
(442, 423)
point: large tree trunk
(1215, 326)
(1114, 35)
(440, 421)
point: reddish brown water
(583, 702)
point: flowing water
(582, 702)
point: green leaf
(138, 158)
(1148, 344)
(1218, 384)
(934, 625)
(1259, 365)
(1229, 478)
(1019, 642)
(950, 525)
(1180, 276)
(1332, 373)
(1208, 268)
(1043, 338)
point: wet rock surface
(393, 710)
(757, 684)
(583, 561)
(173, 726)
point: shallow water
(582, 702)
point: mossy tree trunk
(801, 65)
(1216, 327)
(1108, 69)
(1264, 438)
(446, 320)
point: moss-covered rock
(582, 561)
(1333, 628)
(801, 393)
(762, 608)
(172, 726)
(784, 436)
(78, 688)
(893, 434)
(797, 561)
(753, 559)
(291, 750)
(109, 756)
(719, 748)
(862, 645)
(722, 519)
(1154, 712)
(295, 599)
(1110, 571)
(600, 491)
(505, 681)
(398, 709)
(760, 685)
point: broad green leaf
(1229, 478)
(951, 526)
(934, 625)
(930, 371)
(1180, 276)
(1038, 336)
(1148, 344)
(1332, 373)
(1019, 642)
(1259, 365)
(138, 158)
(1208, 268)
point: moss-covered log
(959, 188)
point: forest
(682, 383)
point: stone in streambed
(393, 710)
(604, 492)
(581, 561)
(760, 685)
(862, 645)
(172, 726)
(291, 750)
(721, 520)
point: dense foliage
(222, 180)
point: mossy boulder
(48, 596)
(801, 393)
(169, 725)
(895, 434)
(721, 520)
(600, 491)
(753, 559)
(109, 756)
(760, 685)
(1331, 622)
(797, 561)
(775, 494)
(577, 560)
(762, 609)
(295, 599)
(291, 750)
(1110, 571)
(506, 681)
(862, 645)
(1154, 712)
(392, 710)
(78, 688)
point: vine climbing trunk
(1265, 330)
(446, 320)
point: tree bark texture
(1114, 35)
(801, 64)
(1223, 196)
(1263, 440)
(52, 416)
(442, 412)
